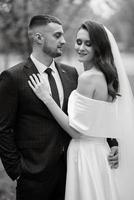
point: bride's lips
(82, 54)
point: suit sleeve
(112, 142)
(8, 108)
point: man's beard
(53, 53)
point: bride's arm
(61, 118)
(39, 87)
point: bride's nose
(82, 47)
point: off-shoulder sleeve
(93, 117)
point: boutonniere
(63, 71)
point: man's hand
(113, 158)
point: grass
(7, 186)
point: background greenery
(117, 15)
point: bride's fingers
(43, 78)
(43, 81)
(36, 79)
(40, 76)
(31, 85)
(32, 80)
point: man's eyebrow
(61, 32)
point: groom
(32, 144)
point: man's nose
(63, 41)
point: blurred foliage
(15, 15)
(14, 18)
(7, 187)
(122, 25)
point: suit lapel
(65, 83)
(29, 68)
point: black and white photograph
(66, 100)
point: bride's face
(84, 47)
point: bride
(101, 107)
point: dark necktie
(53, 86)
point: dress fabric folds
(89, 176)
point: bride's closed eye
(86, 42)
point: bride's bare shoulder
(91, 82)
(91, 76)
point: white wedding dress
(89, 176)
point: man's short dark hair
(39, 20)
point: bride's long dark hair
(103, 57)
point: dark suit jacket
(31, 141)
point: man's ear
(38, 38)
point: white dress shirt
(41, 68)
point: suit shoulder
(68, 68)
(13, 73)
(16, 68)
